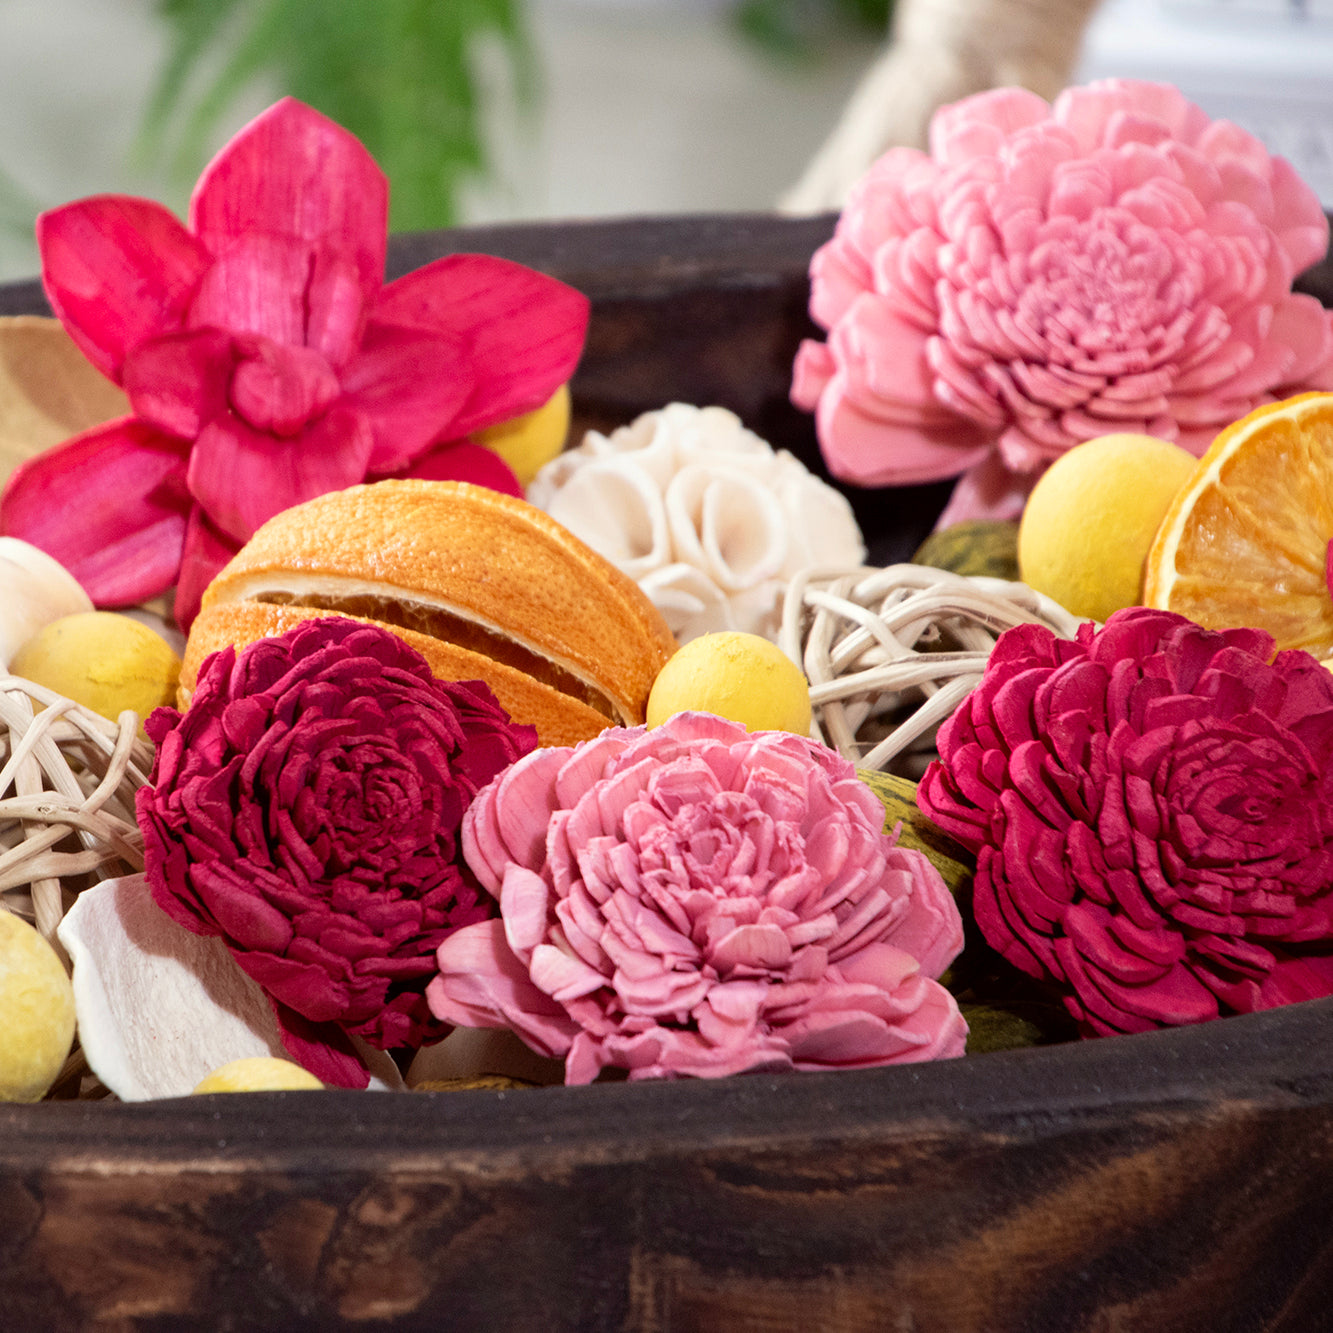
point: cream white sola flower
(708, 519)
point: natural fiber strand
(891, 653)
(940, 51)
(67, 784)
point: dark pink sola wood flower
(265, 361)
(1114, 261)
(696, 900)
(1151, 806)
(306, 809)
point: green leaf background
(400, 74)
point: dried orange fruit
(1246, 540)
(484, 585)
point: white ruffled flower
(706, 517)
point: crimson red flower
(1151, 806)
(266, 363)
(306, 808)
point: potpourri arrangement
(377, 735)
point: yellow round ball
(529, 442)
(1092, 516)
(37, 1008)
(259, 1073)
(105, 661)
(739, 676)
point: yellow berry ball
(739, 676)
(529, 442)
(1092, 516)
(259, 1073)
(36, 1012)
(105, 661)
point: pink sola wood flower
(1112, 262)
(266, 363)
(698, 900)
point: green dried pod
(473, 1083)
(978, 549)
(992, 1029)
(898, 796)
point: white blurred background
(643, 106)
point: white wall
(647, 106)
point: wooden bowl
(1175, 1181)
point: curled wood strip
(67, 782)
(890, 653)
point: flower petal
(257, 285)
(462, 460)
(322, 1048)
(483, 984)
(294, 173)
(868, 451)
(241, 478)
(178, 382)
(206, 550)
(122, 552)
(987, 491)
(117, 272)
(410, 385)
(526, 329)
(159, 1008)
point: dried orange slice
(1247, 539)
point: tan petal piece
(475, 1053)
(48, 389)
(159, 1008)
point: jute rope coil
(940, 51)
(67, 784)
(890, 653)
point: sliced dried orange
(1247, 539)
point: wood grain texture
(1177, 1181)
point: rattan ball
(890, 653)
(67, 782)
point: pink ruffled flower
(1151, 806)
(699, 900)
(306, 809)
(1114, 261)
(266, 363)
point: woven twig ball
(890, 653)
(67, 782)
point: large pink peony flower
(1112, 262)
(266, 363)
(306, 809)
(697, 900)
(1151, 806)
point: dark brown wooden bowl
(1171, 1182)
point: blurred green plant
(799, 29)
(402, 75)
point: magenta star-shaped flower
(265, 360)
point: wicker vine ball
(67, 783)
(890, 653)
